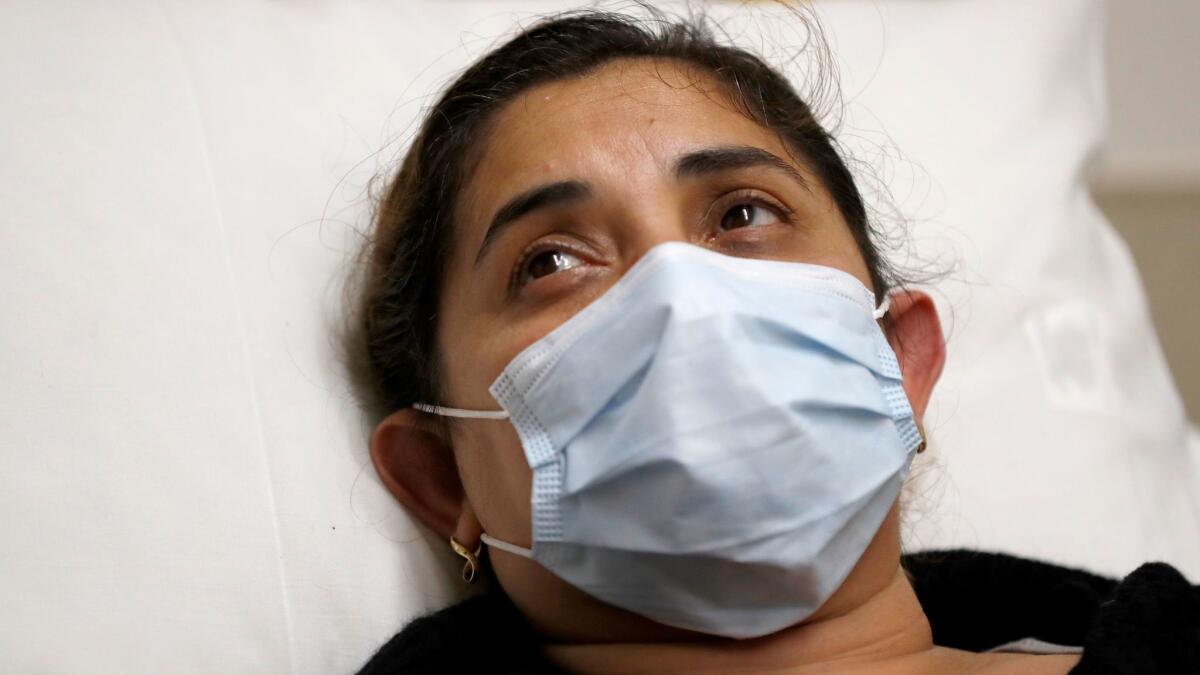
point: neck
(885, 627)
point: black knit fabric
(1148, 624)
(976, 601)
(1151, 624)
(483, 634)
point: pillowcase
(1056, 431)
(186, 483)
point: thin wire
(462, 412)
(505, 546)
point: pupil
(545, 263)
(738, 216)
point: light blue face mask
(714, 441)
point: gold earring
(472, 564)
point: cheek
(468, 364)
(496, 478)
(493, 340)
(833, 245)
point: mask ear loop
(462, 412)
(505, 546)
(883, 308)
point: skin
(620, 129)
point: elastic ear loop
(462, 412)
(883, 308)
(505, 546)
(484, 538)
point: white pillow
(186, 486)
(1056, 429)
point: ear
(915, 334)
(415, 461)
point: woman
(628, 319)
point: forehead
(628, 117)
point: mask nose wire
(465, 413)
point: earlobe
(415, 461)
(915, 334)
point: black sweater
(1148, 623)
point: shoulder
(484, 632)
(977, 600)
(1148, 622)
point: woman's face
(576, 180)
(600, 169)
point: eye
(747, 214)
(544, 263)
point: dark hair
(392, 331)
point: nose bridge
(654, 215)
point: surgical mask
(714, 441)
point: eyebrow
(730, 157)
(691, 165)
(541, 197)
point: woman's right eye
(545, 263)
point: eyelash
(755, 197)
(743, 196)
(538, 247)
